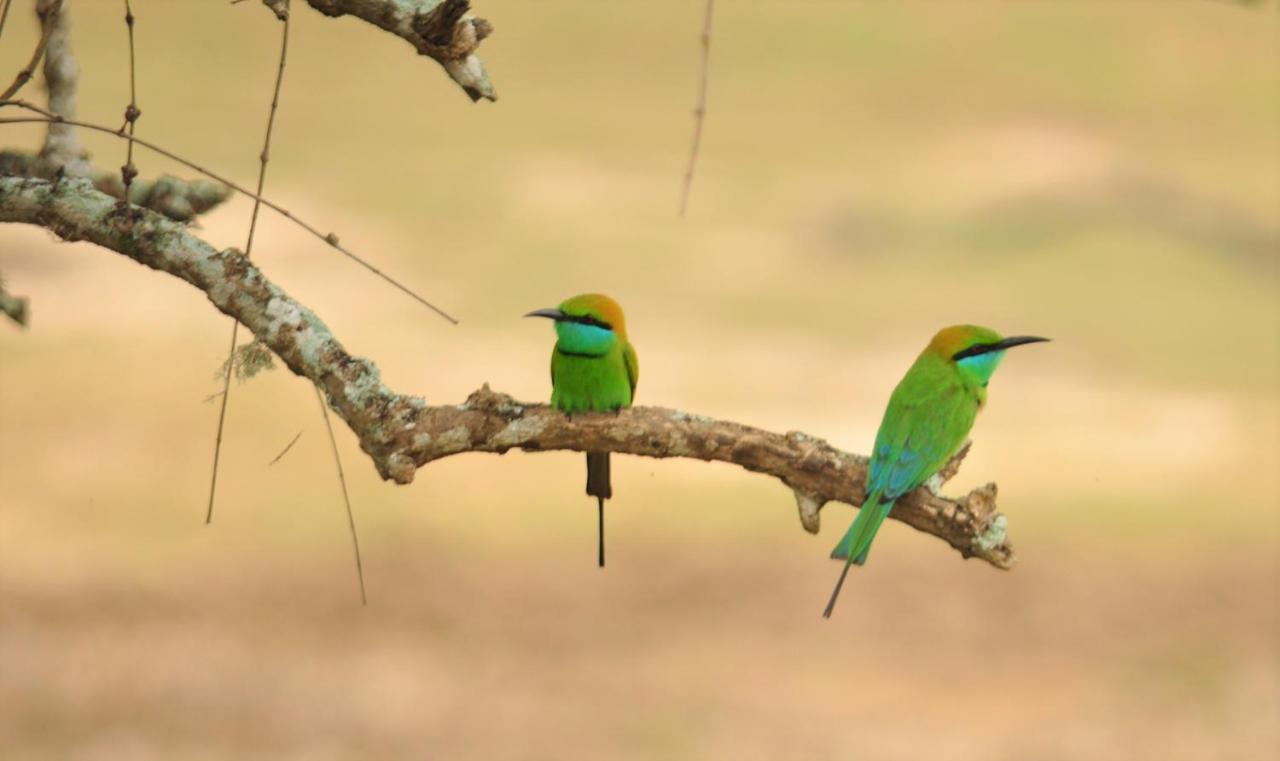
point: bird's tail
(856, 543)
(599, 486)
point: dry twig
(263, 158)
(281, 10)
(346, 498)
(4, 15)
(48, 11)
(329, 238)
(131, 113)
(286, 449)
(699, 113)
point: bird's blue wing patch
(924, 434)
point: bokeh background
(1105, 173)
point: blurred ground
(1102, 173)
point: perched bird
(593, 369)
(928, 419)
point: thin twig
(266, 142)
(46, 24)
(282, 12)
(131, 114)
(330, 238)
(4, 15)
(217, 442)
(285, 451)
(342, 479)
(700, 112)
(263, 158)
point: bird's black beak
(554, 314)
(1013, 341)
(1008, 343)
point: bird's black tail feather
(598, 486)
(600, 530)
(835, 593)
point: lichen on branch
(176, 198)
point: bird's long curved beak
(554, 314)
(1013, 341)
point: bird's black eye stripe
(587, 319)
(975, 350)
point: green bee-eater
(927, 421)
(593, 369)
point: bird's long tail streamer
(835, 593)
(599, 486)
(600, 503)
(856, 543)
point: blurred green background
(1105, 173)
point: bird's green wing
(633, 366)
(928, 418)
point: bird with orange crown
(927, 421)
(593, 369)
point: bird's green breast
(590, 383)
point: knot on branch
(809, 506)
(989, 528)
(278, 7)
(446, 34)
(439, 29)
(486, 399)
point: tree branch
(62, 153)
(174, 197)
(440, 29)
(62, 149)
(401, 433)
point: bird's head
(587, 324)
(975, 351)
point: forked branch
(62, 152)
(401, 433)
